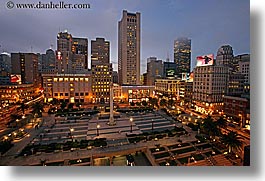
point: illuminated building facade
(129, 49)
(225, 56)
(168, 88)
(13, 94)
(209, 87)
(101, 70)
(67, 87)
(127, 94)
(182, 55)
(239, 108)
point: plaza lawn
(198, 157)
(185, 150)
(183, 160)
(161, 155)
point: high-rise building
(80, 49)
(5, 64)
(182, 55)
(64, 53)
(26, 65)
(129, 48)
(115, 77)
(101, 70)
(244, 67)
(48, 62)
(154, 70)
(209, 87)
(225, 56)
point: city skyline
(102, 18)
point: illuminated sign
(59, 56)
(170, 72)
(15, 79)
(205, 60)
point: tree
(163, 102)
(37, 109)
(221, 123)
(132, 104)
(153, 101)
(232, 141)
(63, 105)
(144, 103)
(171, 102)
(22, 106)
(209, 127)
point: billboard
(170, 73)
(15, 78)
(205, 60)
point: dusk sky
(209, 24)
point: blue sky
(209, 24)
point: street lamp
(241, 120)
(98, 126)
(131, 120)
(71, 131)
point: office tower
(115, 78)
(225, 56)
(64, 53)
(48, 61)
(100, 51)
(26, 66)
(182, 55)
(101, 70)
(129, 48)
(244, 63)
(80, 49)
(154, 70)
(5, 68)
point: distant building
(244, 69)
(182, 55)
(5, 68)
(101, 70)
(48, 62)
(154, 70)
(169, 69)
(80, 49)
(67, 87)
(115, 77)
(129, 48)
(26, 66)
(225, 56)
(64, 55)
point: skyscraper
(64, 53)
(154, 70)
(80, 48)
(182, 55)
(48, 61)
(26, 65)
(101, 70)
(129, 48)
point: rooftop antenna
(31, 49)
(51, 46)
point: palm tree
(171, 102)
(232, 141)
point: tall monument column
(111, 118)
